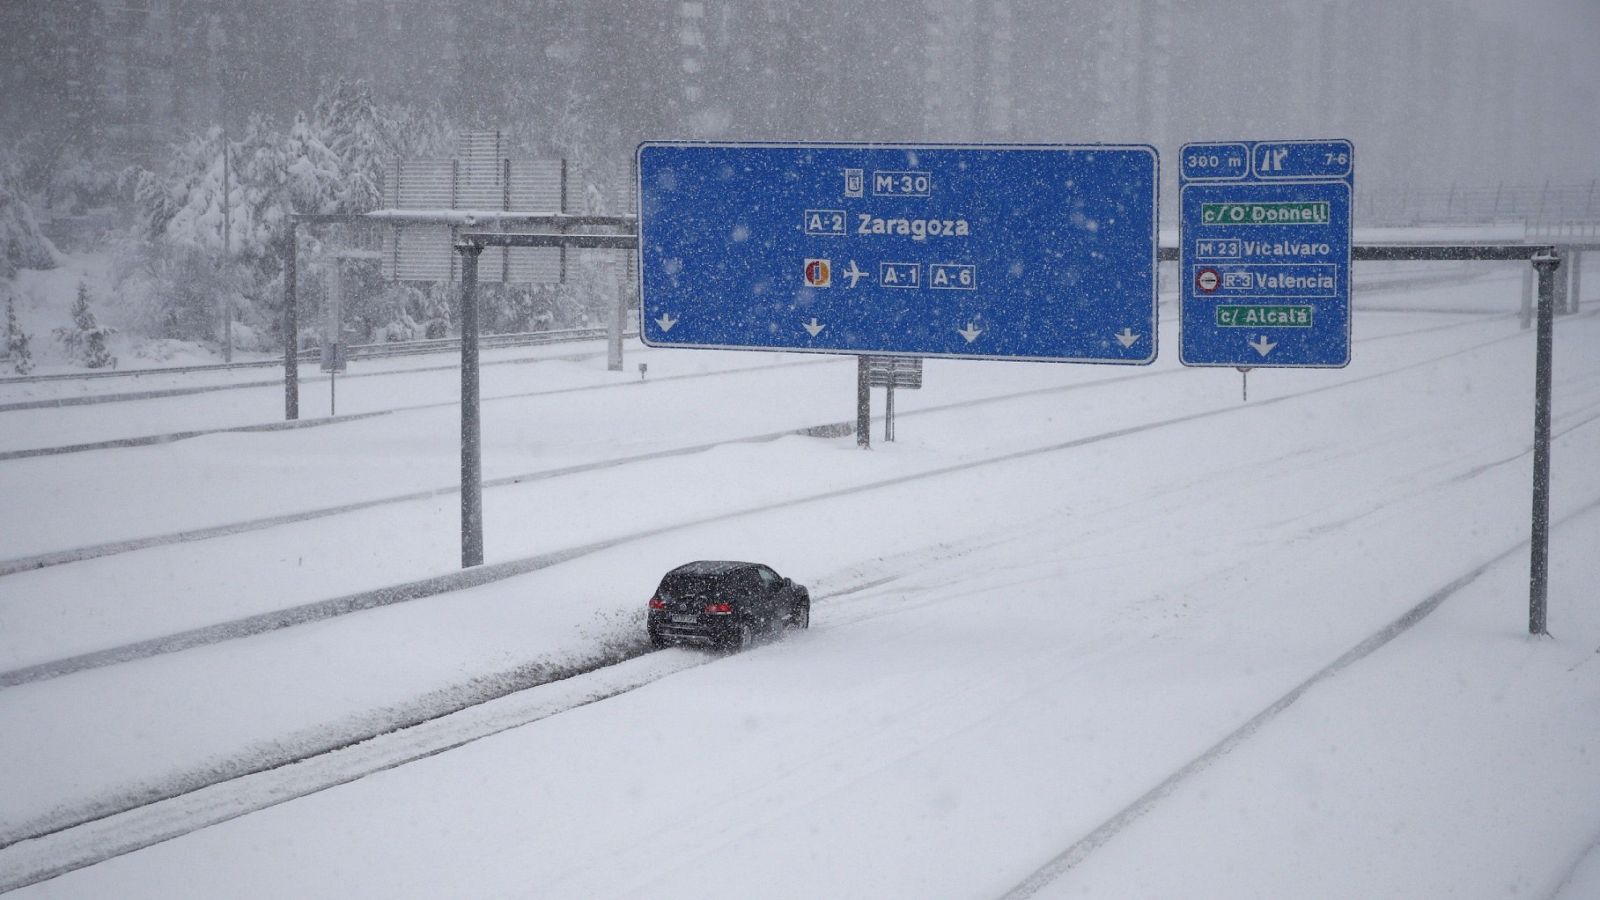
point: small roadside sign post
(1031, 252)
(890, 372)
(1264, 250)
(333, 346)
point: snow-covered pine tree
(86, 340)
(18, 353)
(351, 126)
(311, 172)
(22, 244)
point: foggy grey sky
(1433, 92)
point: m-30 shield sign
(1264, 253)
(977, 251)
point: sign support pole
(1546, 263)
(1563, 279)
(1526, 310)
(471, 447)
(888, 409)
(863, 405)
(1575, 260)
(291, 328)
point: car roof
(712, 567)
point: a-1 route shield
(974, 251)
(1264, 253)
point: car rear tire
(741, 638)
(657, 639)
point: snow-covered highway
(1061, 586)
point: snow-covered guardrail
(358, 351)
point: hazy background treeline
(125, 104)
(1428, 90)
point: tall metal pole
(291, 329)
(471, 449)
(227, 253)
(863, 405)
(619, 312)
(1538, 574)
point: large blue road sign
(1264, 253)
(1031, 252)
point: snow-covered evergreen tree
(270, 176)
(312, 174)
(351, 126)
(86, 340)
(18, 352)
(22, 244)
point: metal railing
(387, 350)
(1539, 206)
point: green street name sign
(1264, 316)
(1310, 212)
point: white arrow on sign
(814, 327)
(1127, 337)
(970, 332)
(666, 321)
(1262, 345)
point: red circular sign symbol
(1207, 280)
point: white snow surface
(1030, 611)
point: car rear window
(677, 587)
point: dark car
(725, 604)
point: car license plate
(686, 620)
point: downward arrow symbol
(814, 327)
(1262, 345)
(1127, 337)
(970, 332)
(666, 321)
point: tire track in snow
(95, 551)
(436, 723)
(178, 812)
(158, 826)
(831, 429)
(1080, 850)
(485, 574)
(162, 393)
(152, 439)
(78, 839)
(170, 437)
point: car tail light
(719, 608)
(655, 603)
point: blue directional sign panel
(1264, 252)
(976, 251)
